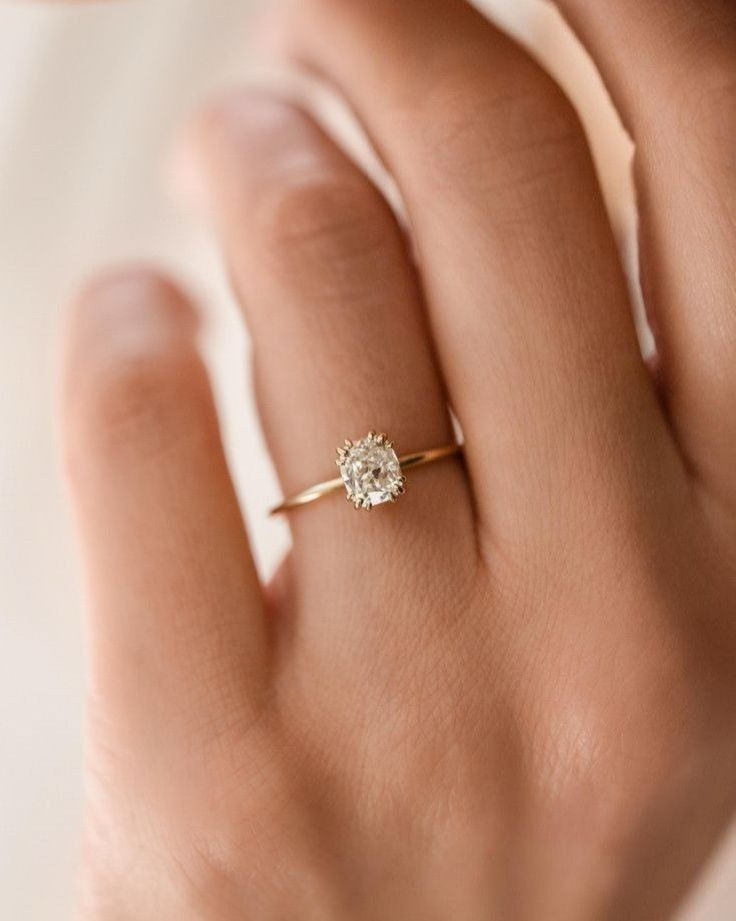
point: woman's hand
(512, 694)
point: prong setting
(371, 471)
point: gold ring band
(388, 480)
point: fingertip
(130, 352)
(135, 296)
(232, 118)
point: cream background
(90, 99)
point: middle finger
(527, 300)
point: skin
(510, 695)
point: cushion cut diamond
(371, 471)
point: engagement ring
(370, 471)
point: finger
(340, 340)
(672, 70)
(178, 641)
(526, 295)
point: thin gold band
(319, 490)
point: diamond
(371, 471)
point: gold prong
(372, 434)
(348, 443)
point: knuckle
(517, 134)
(606, 761)
(324, 218)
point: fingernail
(186, 175)
(131, 307)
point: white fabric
(91, 96)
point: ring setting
(371, 473)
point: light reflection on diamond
(371, 471)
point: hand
(510, 695)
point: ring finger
(340, 341)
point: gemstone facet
(371, 471)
